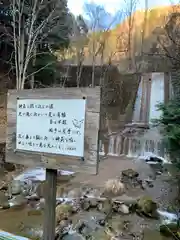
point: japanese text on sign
(51, 126)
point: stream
(89, 218)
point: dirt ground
(110, 167)
(164, 191)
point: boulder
(105, 206)
(10, 167)
(170, 229)
(75, 193)
(18, 201)
(123, 209)
(15, 187)
(41, 189)
(130, 173)
(147, 206)
(3, 199)
(63, 211)
(6, 206)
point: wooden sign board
(56, 128)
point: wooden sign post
(57, 129)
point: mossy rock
(63, 211)
(105, 206)
(3, 198)
(170, 230)
(130, 173)
(147, 206)
(15, 187)
(41, 189)
(10, 167)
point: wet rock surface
(126, 207)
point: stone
(130, 173)
(170, 229)
(93, 193)
(41, 189)
(3, 198)
(61, 192)
(85, 204)
(32, 232)
(18, 201)
(10, 167)
(105, 206)
(75, 193)
(154, 159)
(147, 206)
(64, 178)
(123, 209)
(15, 187)
(42, 203)
(126, 200)
(6, 206)
(93, 202)
(110, 232)
(63, 211)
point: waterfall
(101, 148)
(118, 145)
(136, 113)
(111, 146)
(139, 147)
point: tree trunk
(33, 64)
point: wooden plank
(92, 118)
(91, 94)
(50, 205)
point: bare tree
(168, 45)
(130, 7)
(79, 40)
(100, 30)
(30, 29)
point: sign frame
(87, 164)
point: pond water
(19, 222)
(16, 220)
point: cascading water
(101, 148)
(140, 146)
(111, 146)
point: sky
(76, 6)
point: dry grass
(114, 187)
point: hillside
(140, 35)
(135, 35)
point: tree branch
(39, 69)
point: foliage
(40, 27)
(6, 46)
(170, 122)
(48, 75)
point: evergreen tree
(170, 119)
(6, 44)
